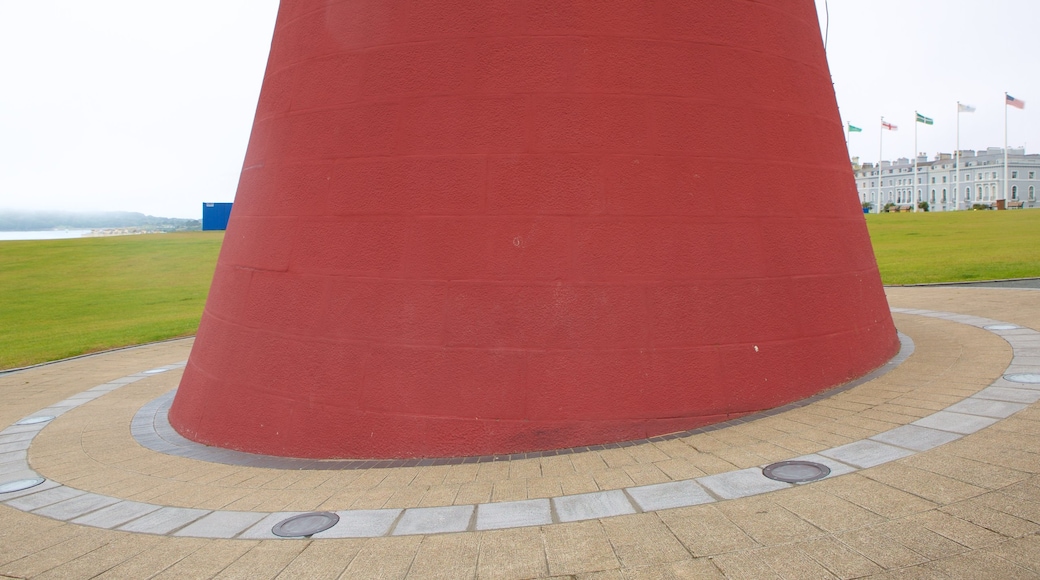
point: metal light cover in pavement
(20, 484)
(796, 471)
(1028, 378)
(35, 420)
(305, 525)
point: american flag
(1016, 103)
(889, 126)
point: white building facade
(979, 179)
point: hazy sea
(43, 235)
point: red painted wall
(468, 227)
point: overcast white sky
(146, 105)
(893, 57)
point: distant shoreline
(78, 233)
(8, 236)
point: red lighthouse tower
(468, 227)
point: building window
(1032, 193)
(1014, 192)
(967, 194)
(933, 180)
(1032, 175)
(1014, 175)
(944, 196)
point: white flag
(965, 108)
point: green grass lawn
(60, 298)
(923, 247)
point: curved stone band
(52, 499)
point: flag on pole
(965, 108)
(926, 120)
(854, 129)
(1016, 103)
(889, 126)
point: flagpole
(1003, 194)
(957, 160)
(913, 191)
(881, 154)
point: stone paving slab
(587, 506)
(116, 515)
(1010, 395)
(223, 524)
(14, 446)
(514, 514)
(23, 436)
(742, 483)
(866, 453)
(76, 506)
(46, 485)
(13, 466)
(916, 437)
(986, 408)
(362, 524)
(673, 494)
(12, 456)
(955, 422)
(164, 520)
(600, 545)
(41, 498)
(435, 520)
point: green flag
(922, 119)
(854, 129)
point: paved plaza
(933, 473)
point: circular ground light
(1030, 378)
(35, 420)
(1002, 327)
(796, 471)
(20, 484)
(305, 525)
